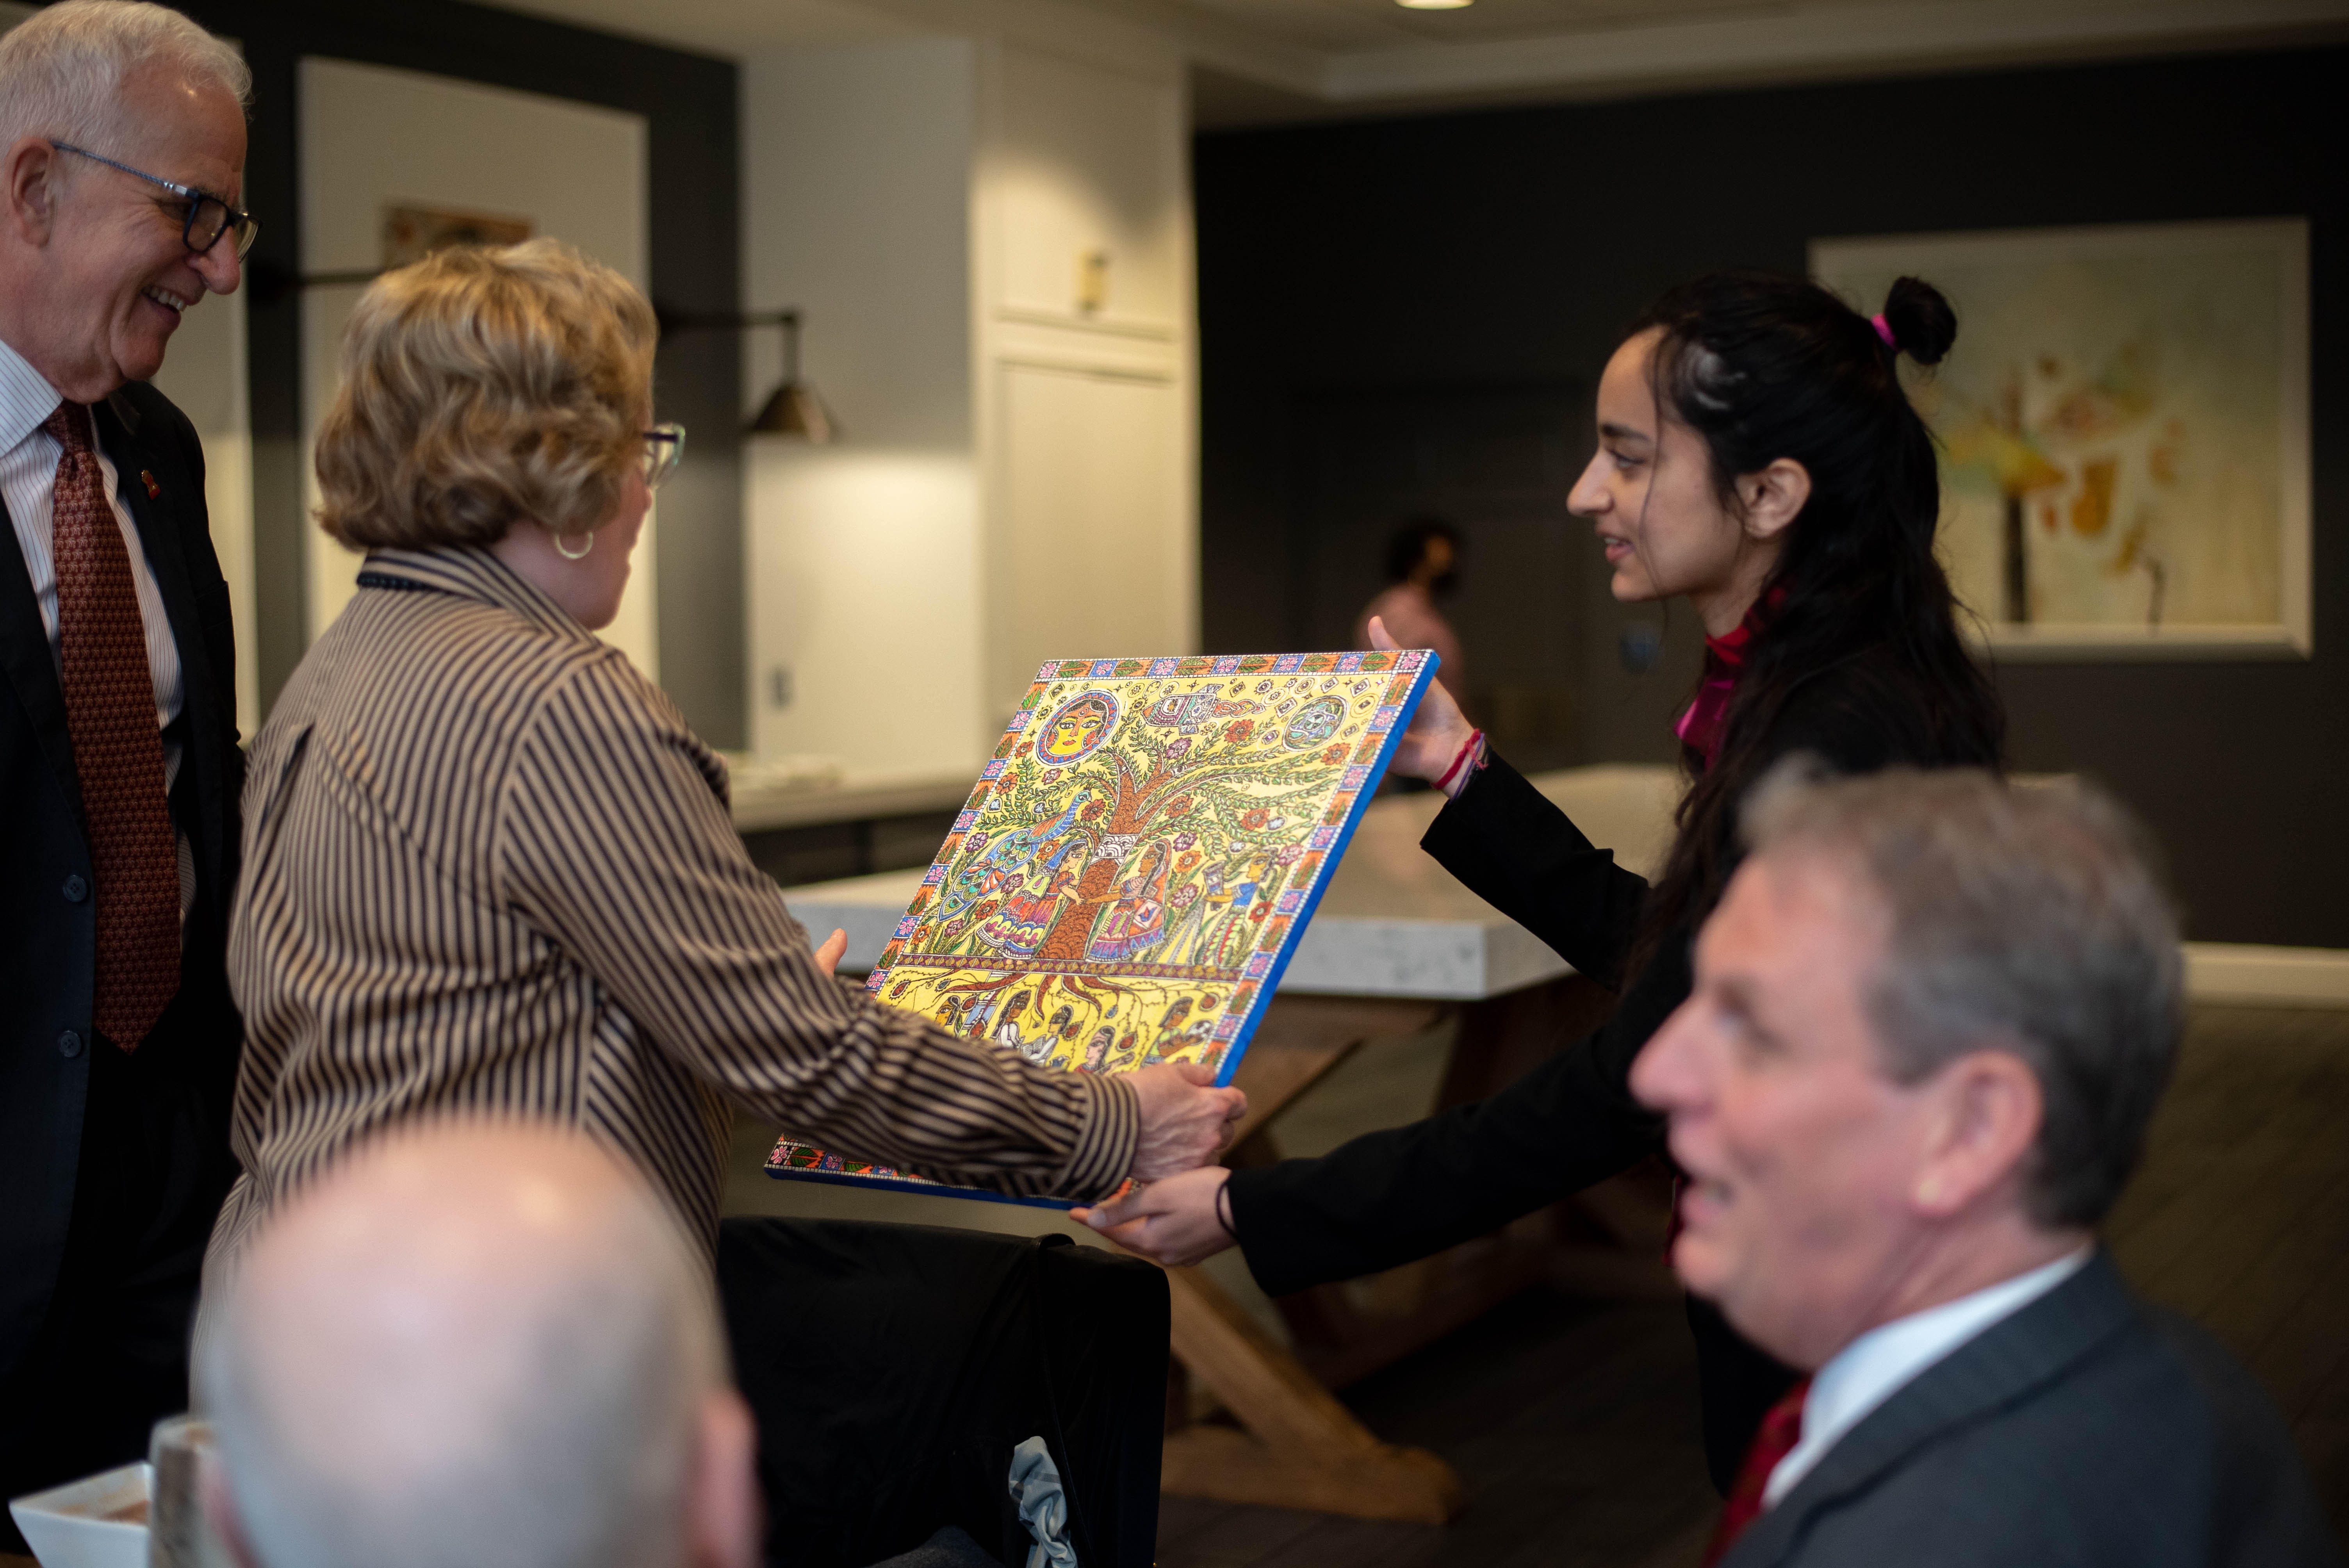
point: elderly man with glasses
(122, 146)
(1931, 1018)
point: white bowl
(66, 1525)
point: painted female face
(1648, 490)
(1074, 730)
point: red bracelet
(1467, 749)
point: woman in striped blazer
(489, 868)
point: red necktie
(1781, 1429)
(109, 695)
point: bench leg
(1301, 1448)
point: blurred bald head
(478, 1343)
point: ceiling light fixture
(1433, 5)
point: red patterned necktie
(1781, 1429)
(109, 695)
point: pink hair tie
(1884, 331)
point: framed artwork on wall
(411, 232)
(2124, 431)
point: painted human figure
(1187, 903)
(1252, 892)
(1007, 1032)
(1019, 928)
(1076, 729)
(1097, 1049)
(1042, 1048)
(1208, 914)
(974, 1018)
(1003, 867)
(1137, 919)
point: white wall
(575, 172)
(863, 563)
(205, 373)
(1016, 476)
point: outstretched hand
(1438, 728)
(1171, 1222)
(1185, 1121)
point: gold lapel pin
(154, 491)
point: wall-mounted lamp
(793, 410)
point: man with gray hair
(1931, 1018)
(121, 163)
(478, 1343)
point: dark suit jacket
(2091, 1429)
(49, 939)
(1386, 1198)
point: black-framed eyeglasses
(664, 450)
(208, 217)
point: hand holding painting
(1185, 1121)
(1438, 735)
(1177, 1221)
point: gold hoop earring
(568, 555)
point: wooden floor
(1573, 1425)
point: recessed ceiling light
(1433, 5)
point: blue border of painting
(1247, 1031)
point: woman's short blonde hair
(482, 388)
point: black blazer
(2091, 1429)
(1389, 1197)
(49, 938)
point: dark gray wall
(690, 105)
(1455, 262)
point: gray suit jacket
(2091, 1428)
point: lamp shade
(794, 410)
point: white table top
(761, 804)
(1393, 921)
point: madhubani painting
(1128, 879)
(2124, 424)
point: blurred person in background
(1422, 568)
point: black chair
(893, 1367)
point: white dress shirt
(28, 479)
(1883, 1361)
(28, 482)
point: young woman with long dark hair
(1759, 459)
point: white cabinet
(992, 247)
